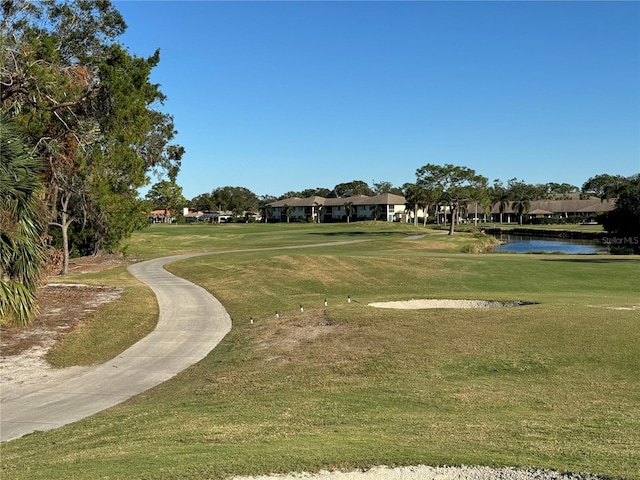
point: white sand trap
(436, 303)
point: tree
(479, 196)
(380, 188)
(499, 196)
(604, 186)
(486, 203)
(309, 192)
(87, 108)
(264, 206)
(320, 209)
(452, 185)
(21, 227)
(203, 202)
(235, 199)
(288, 211)
(376, 212)
(166, 195)
(426, 198)
(348, 210)
(561, 191)
(624, 220)
(351, 189)
(265, 210)
(521, 195)
(412, 194)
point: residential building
(386, 207)
(391, 208)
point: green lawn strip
(404, 394)
(113, 327)
(552, 385)
(162, 240)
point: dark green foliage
(604, 186)
(87, 106)
(21, 227)
(350, 189)
(451, 185)
(235, 199)
(624, 220)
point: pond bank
(534, 232)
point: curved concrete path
(191, 323)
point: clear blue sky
(280, 96)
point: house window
(391, 208)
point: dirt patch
(62, 308)
(285, 335)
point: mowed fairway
(555, 384)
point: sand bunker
(436, 303)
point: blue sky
(281, 96)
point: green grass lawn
(555, 384)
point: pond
(528, 244)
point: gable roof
(383, 199)
(161, 212)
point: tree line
(81, 134)
(445, 185)
(81, 131)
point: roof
(299, 202)
(574, 204)
(383, 199)
(539, 211)
(571, 203)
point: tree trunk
(65, 221)
(453, 220)
(65, 248)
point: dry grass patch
(280, 339)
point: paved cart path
(191, 323)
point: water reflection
(528, 244)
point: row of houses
(191, 216)
(388, 207)
(392, 208)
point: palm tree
(486, 205)
(521, 205)
(376, 212)
(21, 228)
(266, 211)
(288, 211)
(521, 195)
(348, 208)
(501, 198)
